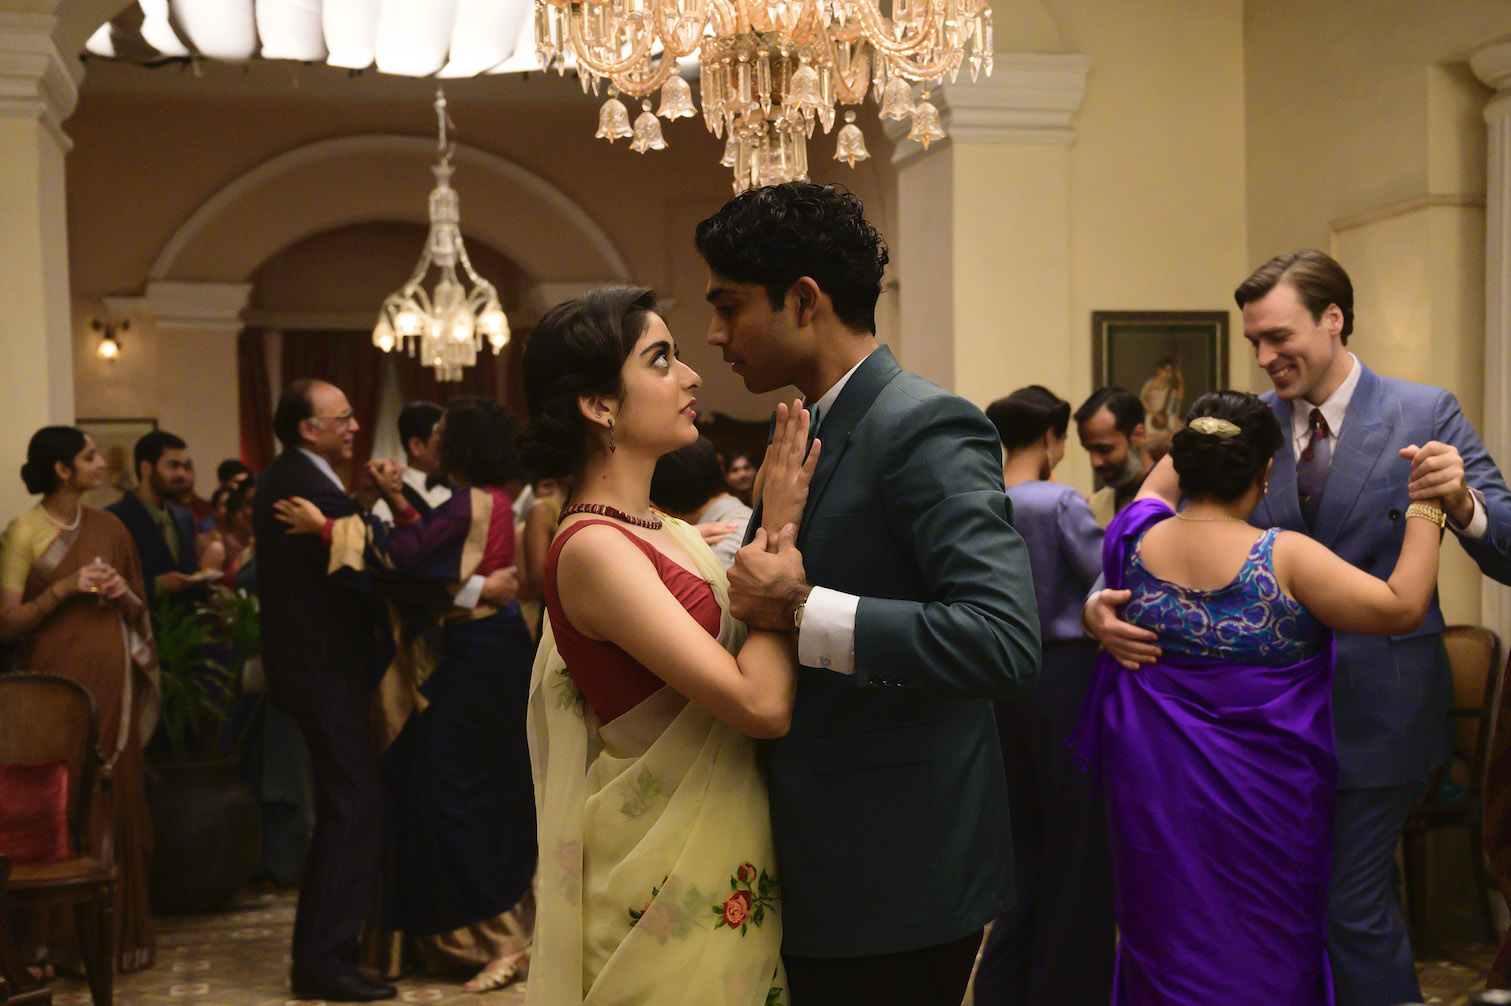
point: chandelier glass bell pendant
(446, 326)
(769, 69)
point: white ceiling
(411, 38)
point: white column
(983, 249)
(194, 326)
(1493, 66)
(38, 90)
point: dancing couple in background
(1243, 711)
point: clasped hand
(767, 581)
(98, 578)
(1437, 473)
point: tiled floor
(240, 958)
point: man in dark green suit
(911, 602)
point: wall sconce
(110, 346)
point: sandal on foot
(490, 981)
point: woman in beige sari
(657, 880)
(71, 592)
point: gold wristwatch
(1430, 512)
(797, 615)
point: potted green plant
(206, 822)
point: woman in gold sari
(71, 593)
(657, 881)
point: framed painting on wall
(115, 439)
(1167, 358)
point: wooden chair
(1474, 654)
(45, 717)
(17, 988)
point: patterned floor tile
(240, 958)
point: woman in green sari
(657, 878)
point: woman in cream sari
(657, 881)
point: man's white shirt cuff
(469, 595)
(1479, 524)
(827, 638)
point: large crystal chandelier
(770, 69)
(446, 326)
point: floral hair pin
(1213, 426)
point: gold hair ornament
(1213, 426)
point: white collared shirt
(324, 466)
(827, 638)
(1335, 411)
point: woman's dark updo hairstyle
(578, 348)
(1224, 468)
(47, 447)
(240, 495)
(477, 442)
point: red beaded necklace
(649, 523)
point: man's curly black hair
(777, 234)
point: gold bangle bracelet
(1428, 512)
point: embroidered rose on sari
(752, 891)
(669, 912)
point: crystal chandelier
(446, 327)
(770, 69)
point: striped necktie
(1311, 470)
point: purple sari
(1219, 780)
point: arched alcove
(358, 179)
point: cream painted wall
(33, 338)
(1156, 178)
(1386, 170)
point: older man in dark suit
(319, 634)
(912, 605)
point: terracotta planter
(207, 835)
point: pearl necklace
(603, 510)
(77, 517)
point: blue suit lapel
(1281, 506)
(1366, 427)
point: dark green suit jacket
(887, 796)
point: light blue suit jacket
(1390, 693)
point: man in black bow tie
(424, 485)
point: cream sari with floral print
(657, 877)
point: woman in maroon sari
(1217, 760)
(71, 594)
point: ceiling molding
(1030, 98)
(35, 79)
(176, 304)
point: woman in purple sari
(1217, 761)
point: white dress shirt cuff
(1479, 524)
(469, 595)
(827, 638)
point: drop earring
(611, 436)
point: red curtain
(350, 362)
(255, 400)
